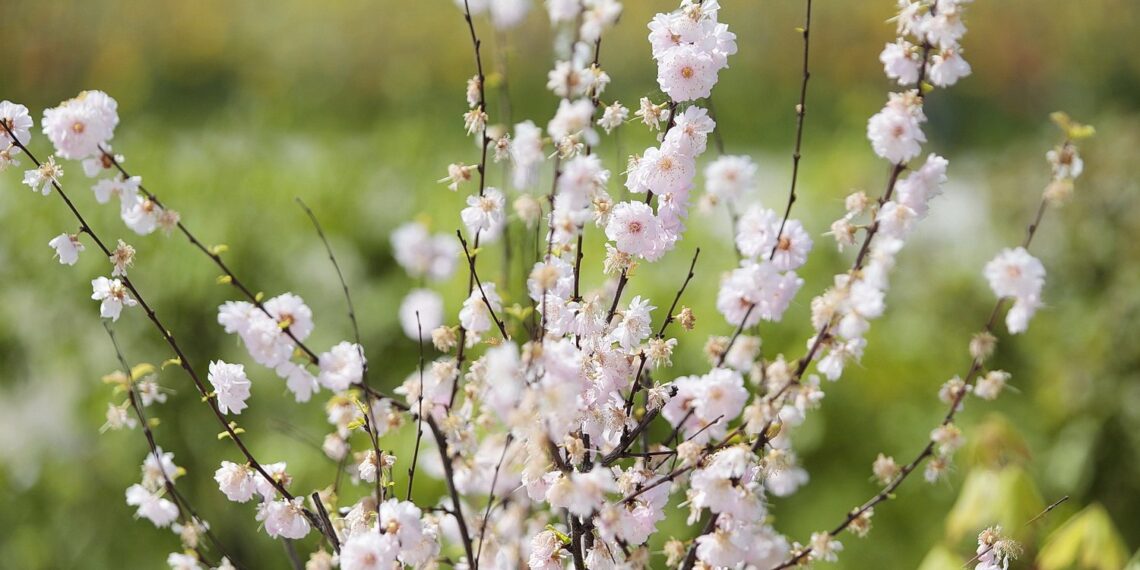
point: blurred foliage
(1088, 540)
(232, 108)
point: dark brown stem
(691, 557)
(491, 500)
(419, 411)
(323, 515)
(801, 110)
(479, 283)
(449, 477)
(216, 258)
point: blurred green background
(230, 109)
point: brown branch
(180, 501)
(214, 257)
(975, 369)
(479, 283)
(491, 500)
(183, 361)
(801, 110)
(449, 477)
(419, 413)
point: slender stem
(801, 110)
(323, 515)
(669, 318)
(479, 283)
(691, 556)
(491, 499)
(336, 267)
(294, 558)
(216, 258)
(419, 413)
(449, 477)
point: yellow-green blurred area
(230, 109)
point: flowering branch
(208, 397)
(946, 438)
(213, 253)
(479, 283)
(186, 513)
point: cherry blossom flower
(421, 312)
(230, 385)
(729, 177)
(236, 481)
(284, 518)
(42, 178)
(17, 120)
(896, 131)
(113, 296)
(67, 248)
(151, 505)
(341, 367)
(634, 325)
(635, 230)
(902, 61)
(78, 126)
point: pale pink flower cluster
(79, 127)
(270, 331)
(19, 123)
(691, 47)
(927, 51)
(149, 496)
(399, 535)
(1017, 275)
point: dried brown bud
(982, 346)
(687, 319)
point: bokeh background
(230, 109)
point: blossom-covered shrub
(542, 416)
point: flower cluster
(995, 551)
(147, 496)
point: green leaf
(974, 506)
(1134, 564)
(941, 558)
(141, 370)
(1089, 540)
(1007, 497)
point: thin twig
(419, 409)
(801, 110)
(491, 499)
(479, 283)
(1039, 516)
(449, 477)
